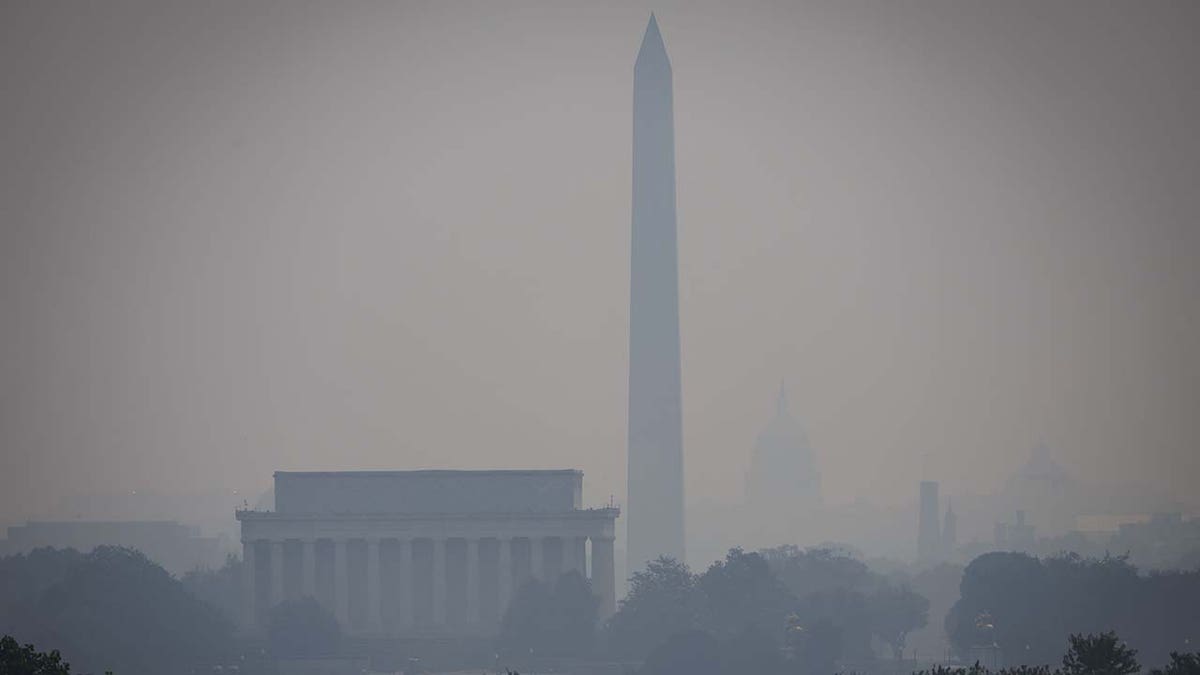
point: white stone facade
(426, 569)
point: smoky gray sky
(247, 236)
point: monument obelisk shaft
(655, 479)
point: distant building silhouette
(949, 532)
(1164, 540)
(783, 472)
(1018, 536)
(178, 548)
(1043, 487)
(936, 542)
(655, 473)
(1041, 470)
(929, 532)
(434, 553)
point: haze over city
(242, 238)
(926, 241)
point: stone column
(581, 556)
(341, 585)
(604, 582)
(308, 568)
(276, 572)
(405, 592)
(568, 554)
(472, 581)
(505, 574)
(537, 559)
(439, 582)
(251, 614)
(374, 587)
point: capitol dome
(783, 471)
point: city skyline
(405, 244)
(453, 337)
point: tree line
(1025, 607)
(1091, 654)
(782, 610)
(110, 609)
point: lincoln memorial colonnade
(421, 552)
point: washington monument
(655, 504)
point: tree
(816, 647)
(1028, 607)
(1006, 600)
(1102, 654)
(18, 660)
(975, 669)
(741, 592)
(1181, 664)
(112, 609)
(527, 619)
(1028, 670)
(23, 580)
(573, 613)
(844, 610)
(555, 622)
(221, 588)
(836, 589)
(302, 627)
(894, 612)
(816, 570)
(752, 650)
(663, 600)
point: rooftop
(436, 473)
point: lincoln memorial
(421, 553)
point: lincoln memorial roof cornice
(433, 473)
(604, 513)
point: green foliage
(110, 609)
(574, 611)
(1017, 603)
(302, 627)
(998, 605)
(741, 600)
(1096, 654)
(752, 650)
(1028, 670)
(839, 611)
(838, 593)
(1027, 607)
(815, 647)
(741, 592)
(1102, 654)
(25, 660)
(663, 600)
(24, 577)
(818, 570)
(975, 669)
(894, 612)
(527, 619)
(551, 622)
(220, 588)
(1180, 664)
